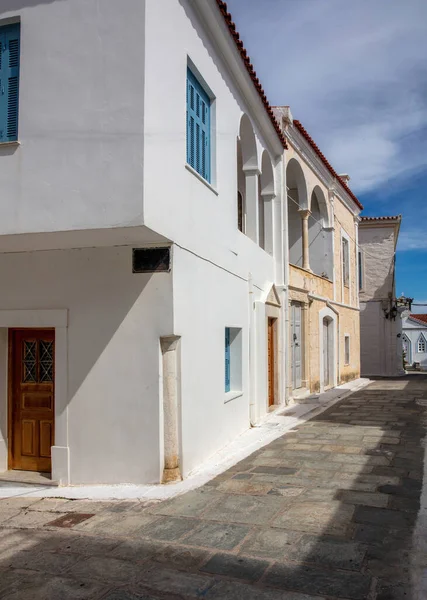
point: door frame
(275, 379)
(334, 358)
(292, 346)
(56, 319)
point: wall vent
(150, 260)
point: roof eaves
(325, 161)
(250, 69)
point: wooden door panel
(32, 402)
(271, 359)
(28, 437)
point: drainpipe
(252, 342)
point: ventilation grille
(150, 260)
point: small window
(233, 359)
(360, 267)
(9, 82)
(421, 346)
(198, 127)
(346, 349)
(345, 262)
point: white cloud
(415, 239)
(353, 72)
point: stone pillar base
(171, 475)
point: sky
(354, 72)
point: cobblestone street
(327, 511)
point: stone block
(191, 504)
(106, 569)
(221, 536)
(363, 498)
(230, 590)
(254, 510)
(169, 529)
(240, 567)
(117, 525)
(270, 543)
(319, 517)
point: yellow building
(323, 316)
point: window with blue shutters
(9, 82)
(198, 127)
(227, 359)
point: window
(345, 262)
(233, 360)
(198, 127)
(9, 82)
(346, 349)
(360, 267)
(421, 346)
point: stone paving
(326, 511)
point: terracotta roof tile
(250, 69)
(325, 161)
(396, 218)
(420, 318)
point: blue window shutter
(9, 82)
(198, 127)
(227, 359)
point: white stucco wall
(115, 319)
(380, 342)
(79, 164)
(413, 330)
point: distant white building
(142, 239)
(380, 320)
(415, 340)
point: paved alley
(327, 511)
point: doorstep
(28, 477)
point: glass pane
(46, 361)
(29, 370)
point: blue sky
(355, 74)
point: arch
(296, 184)
(319, 236)
(297, 199)
(248, 144)
(318, 196)
(267, 176)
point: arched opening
(297, 200)
(241, 190)
(248, 171)
(320, 236)
(267, 194)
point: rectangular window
(9, 81)
(233, 359)
(345, 262)
(421, 345)
(198, 127)
(346, 349)
(360, 267)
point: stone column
(305, 213)
(169, 346)
(268, 200)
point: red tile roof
(420, 318)
(250, 69)
(325, 161)
(396, 218)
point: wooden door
(296, 342)
(31, 398)
(271, 362)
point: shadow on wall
(15, 5)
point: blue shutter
(9, 82)
(198, 127)
(227, 359)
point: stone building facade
(322, 211)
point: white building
(415, 340)
(135, 131)
(380, 318)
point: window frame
(233, 363)
(421, 340)
(8, 72)
(347, 348)
(195, 160)
(361, 269)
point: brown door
(31, 414)
(271, 360)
